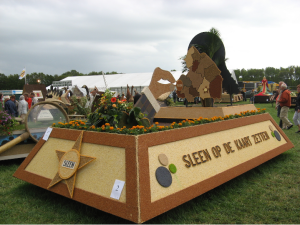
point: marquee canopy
(116, 80)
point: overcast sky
(131, 36)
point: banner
(23, 74)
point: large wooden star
(69, 163)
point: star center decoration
(205, 90)
(69, 163)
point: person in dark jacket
(174, 96)
(11, 107)
(296, 117)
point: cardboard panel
(136, 159)
(150, 209)
(33, 171)
(196, 112)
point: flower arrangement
(138, 129)
(6, 123)
(114, 112)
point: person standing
(28, 100)
(296, 117)
(277, 103)
(285, 103)
(252, 96)
(174, 96)
(23, 108)
(33, 99)
(10, 106)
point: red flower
(113, 99)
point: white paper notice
(117, 189)
(47, 133)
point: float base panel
(205, 157)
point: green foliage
(7, 123)
(290, 75)
(79, 105)
(114, 112)
(169, 101)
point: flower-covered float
(123, 162)
(141, 171)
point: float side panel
(128, 210)
(151, 209)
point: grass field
(269, 193)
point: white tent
(117, 82)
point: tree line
(12, 81)
(290, 75)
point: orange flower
(111, 128)
(114, 105)
(156, 123)
(107, 124)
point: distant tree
(238, 74)
(113, 72)
(95, 73)
(3, 81)
(297, 75)
(255, 74)
(271, 73)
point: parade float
(264, 95)
(139, 172)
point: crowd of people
(282, 96)
(17, 108)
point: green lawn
(269, 193)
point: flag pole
(25, 75)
